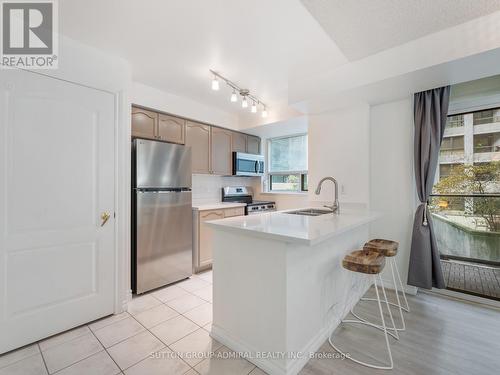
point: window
(486, 143)
(287, 164)
(486, 117)
(456, 121)
(446, 170)
(452, 146)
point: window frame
(267, 180)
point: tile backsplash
(207, 188)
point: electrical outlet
(342, 189)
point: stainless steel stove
(242, 194)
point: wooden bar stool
(388, 249)
(371, 263)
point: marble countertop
(309, 230)
(217, 206)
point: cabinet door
(253, 144)
(198, 137)
(239, 142)
(237, 211)
(205, 246)
(221, 151)
(144, 123)
(171, 129)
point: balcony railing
(486, 120)
(487, 148)
(467, 226)
(452, 152)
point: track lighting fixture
(244, 93)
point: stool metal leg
(394, 265)
(384, 329)
(407, 308)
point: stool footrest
(390, 303)
(354, 359)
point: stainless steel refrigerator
(161, 214)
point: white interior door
(56, 179)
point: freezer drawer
(164, 238)
(162, 165)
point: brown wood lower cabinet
(202, 234)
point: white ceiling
(364, 27)
(171, 44)
(275, 47)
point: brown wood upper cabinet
(144, 123)
(152, 125)
(239, 142)
(198, 137)
(221, 151)
(253, 144)
(211, 146)
(171, 129)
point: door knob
(104, 217)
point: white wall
(166, 102)
(392, 186)
(339, 147)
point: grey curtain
(429, 112)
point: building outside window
(466, 196)
(469, 139)
(486, 117)
(287, 164)
(487, 142)
(453, 146)
(455, 121)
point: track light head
(215, 84)
(234, 97)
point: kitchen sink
(309, 212)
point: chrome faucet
(336, 205)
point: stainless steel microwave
(247, 164)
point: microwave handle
(256, 166)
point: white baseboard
(128, 298)
(268, 365)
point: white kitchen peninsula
(279, 288)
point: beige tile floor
(173, 322)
